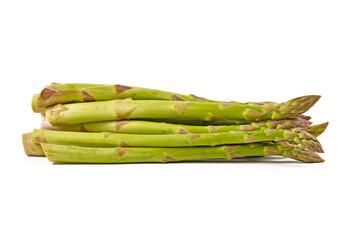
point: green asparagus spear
(69, 93)
(105, 139)
(148, 127)
(137, 109)
(76, 154)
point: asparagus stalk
(69, 93)
(31, 148)
(138, 109)
(197, 122)
(76, 154)
(105, 139)
(148, 127)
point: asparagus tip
(303, 155)
(317, 130)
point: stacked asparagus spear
(95, 123)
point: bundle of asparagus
(95, 123)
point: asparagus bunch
(120, 124)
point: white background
(225, 50)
